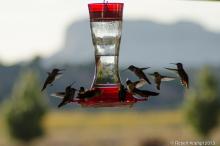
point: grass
(111, 120)
(111, 128)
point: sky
(37, 27)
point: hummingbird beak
(173, 63)
(61, 69)
(146, 67)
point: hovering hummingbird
(158, 78)
(132, 85)
(66, 96)
(122, 93)
(133, 89)
(139, 72)
(55, 74)
(182, 74)
(86, 94)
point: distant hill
(145, 43)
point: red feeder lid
(106, 11)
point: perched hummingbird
(122, 93)
(139, 72)
(66, 96)
(55, 74)
(88, 93)
(158, 78)
(133, 89)
(182, 74)
(81, 90)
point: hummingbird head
(56, 70)
(121, 86)
(128, 81)
(131, 67)
(156, 73)
(68, 88)
(81, 89)
(179, 65)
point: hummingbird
(86, 94)
(52, 76)
(81, 90)
(66, 96)
(139, 72)
(122, 93)
(133, 89)
(132, 85)
(158, 78)
(181, 73)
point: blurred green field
(111, 128)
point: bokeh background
(37, 36)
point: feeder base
(109, 98)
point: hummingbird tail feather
(61, 104)
(155, 94)
(144, 68)
(44, 87)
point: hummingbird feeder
(106, 28)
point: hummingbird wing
(166, 78)
(73, 91)
(145, 93)
(144, 68)
(142, 75)
(62, 103)
(140, 83)
(172, 69)
(58, 94)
